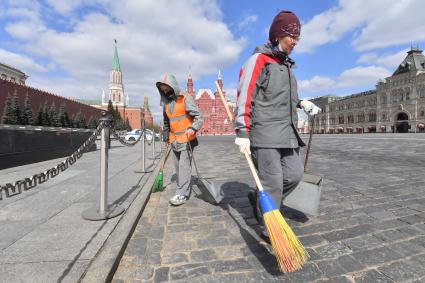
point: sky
(66, 46)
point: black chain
(122, 141)
(19, 186)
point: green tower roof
(116, 61)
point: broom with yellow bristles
(289, 251)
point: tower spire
(116, 87)
(189, 88)
(116, 61)
(220, 82)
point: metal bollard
(153, 144)
(104, 211)
(143, 142)
(143, 157)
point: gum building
(396, 105)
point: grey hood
(171, 81)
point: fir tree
(54, 116)
(45, 121)
(83, 122)
(110, 109)
(16, 110)
(92, 123)
(39, 116)
(61, 115)
(77, 120)
(27, 116)
(127, 125)
(7, 111)
(67, 121)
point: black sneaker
(252, 197)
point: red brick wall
(134, 116)
(38, 97)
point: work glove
(243, 144)
(309, 107)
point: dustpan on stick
(210, 191)
(306, 196)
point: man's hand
(190, 132)
(244, 145)
(310, 108)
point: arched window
(360, 117)
(341, 119)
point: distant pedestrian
(182, 120)
(266, 112)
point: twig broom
(289, 251)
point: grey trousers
(183, 165)
(280, 170)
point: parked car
(135, 134)
(148, 135)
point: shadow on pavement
(118, 201)
(236, 191)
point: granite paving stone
(370, 227)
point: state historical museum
(215, 120)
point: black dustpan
(210, 191)
(306, 196)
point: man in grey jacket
(182, 120)
(266, 112)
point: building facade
(396, 105)
(9, 73)
(213, 112)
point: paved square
(371, 226)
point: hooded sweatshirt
(266, 107)
(170, 100)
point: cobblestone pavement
(370, 228)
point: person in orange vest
(182, 120)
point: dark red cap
(285, 23)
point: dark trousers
(280, 170)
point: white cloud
(361, 76)
(356, 77)
(66, 6)
(317, 83)
(22, 62)
(388, 60)
(248, 20)
(375, 24)
(153, 37)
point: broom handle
(309, 143)
(193, 158)
(167, 153)
(247, 155)
(224, 102)
(253, 171)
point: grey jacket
(266, 108)
(191, 110)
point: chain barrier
(121, 140)
(25, 184)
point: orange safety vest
(179, 121)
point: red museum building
(215, 120)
